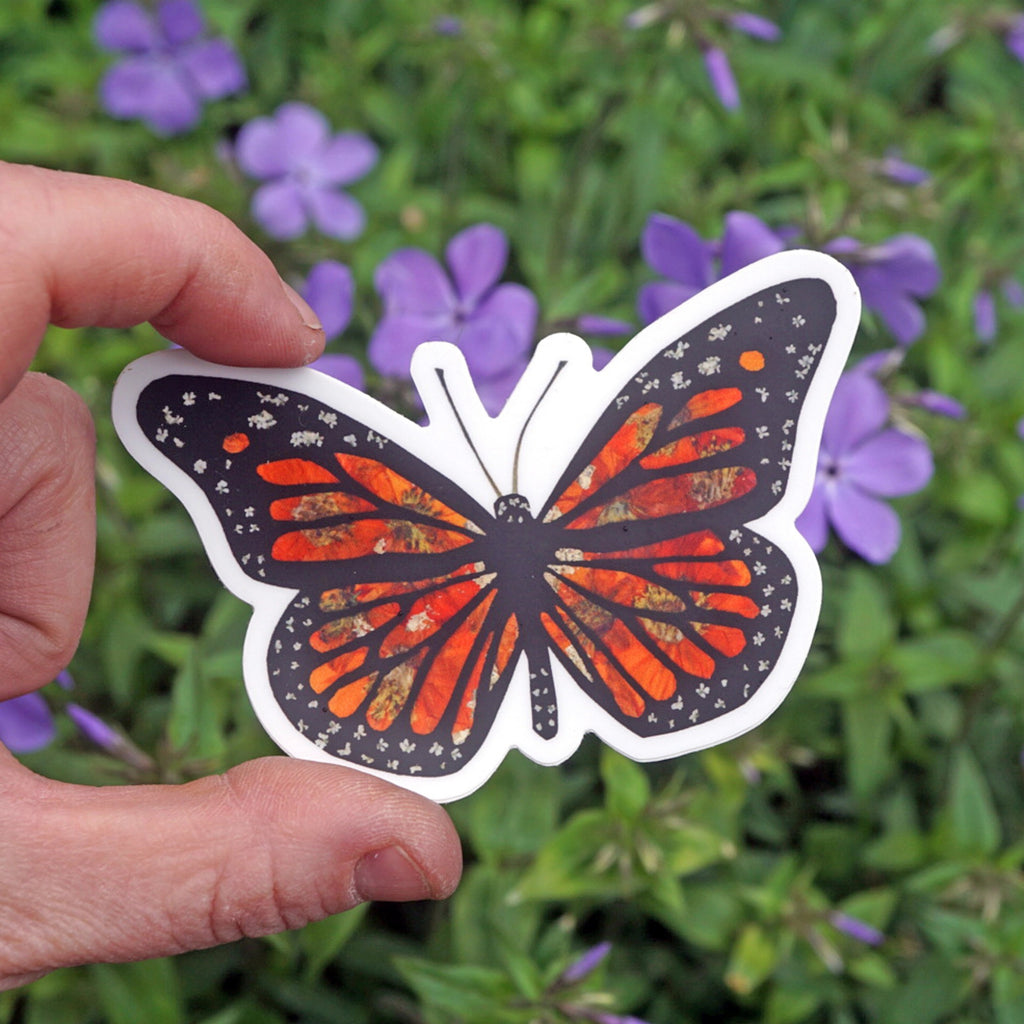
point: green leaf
(466, 993)
(323, 940)
(626, 786)
(145, 991)
(867, 625)
(971, 824)
(753, 958)
(868, 728)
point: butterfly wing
(384, 616)
(668, 609)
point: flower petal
(411, 281)
(335, 214)
(214, 68)
(909, 263)
(348, 157)
(302, 133)
(26, 723)
(395, 339)
(889, 464)
(477, 257)
(515, 306)
(860, 408)
(602, 326)
(745, 240)
(813, 521)
(755, 26)
(721, 77)
(494, 391)
(125, 26)
(278, 208)
(258, 149)
(180, 21)
(341, 367)
(151, 89)
(984, 315)
(900, 313)
(864, 524)
(659, 297)
(674, 250)
(329, 289)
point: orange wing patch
(295, 471)
(394, 488)
(358, 594)
(666, 496)
(620, 587)
(439, 682)
(305, 508)
(702, 543)
(627, 443)
(728, 573)
(706, 403)
(430, 613)
(679, 648)
(366, 537)
(623, 692)
(694, 447)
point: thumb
(126, 873)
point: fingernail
(306, 315)
(390, 874)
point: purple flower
(984, 314)
(985, 318)
(723, 81)
(586, 964)
(891, 277)
(448, 25)
(896, 169)
(862, 460)
(304, 166)
(342, 367)
(26, 724)
(493, 324)
(755, 26)
(330, 289)
(1014, 37)
(936, 403)
(674, 250)
(856, 928)
(170, 67)
(93, 728)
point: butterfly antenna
(465, 432)
(522, 433)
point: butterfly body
(641, 578)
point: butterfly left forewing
(379, 636)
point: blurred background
(857, 858)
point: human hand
(112, 874)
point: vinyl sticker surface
(614, 553)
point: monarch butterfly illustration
(615, 552)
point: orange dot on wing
(752, 360)
(235, 443)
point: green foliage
(888, 786)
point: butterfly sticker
(614, 553)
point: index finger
(77, 250)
